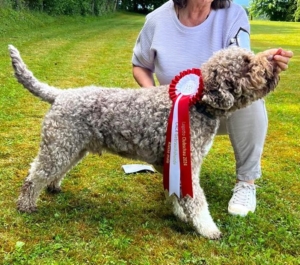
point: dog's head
(235, 77)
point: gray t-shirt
(167, 47)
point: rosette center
(188, 85)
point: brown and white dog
(133, 123)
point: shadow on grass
(105, 213)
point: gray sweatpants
(247, 129)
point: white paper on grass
(134, 168)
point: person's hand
(280, 57)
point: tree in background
(65, 7)
(297, 12)
(275, 10)
(141, 6)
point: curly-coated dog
(133, 123)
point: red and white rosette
(185, 89)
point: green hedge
(64, 7)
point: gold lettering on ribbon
(168, 153)
(184, 144)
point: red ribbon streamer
(186, 187)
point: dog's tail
(26, 78)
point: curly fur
(133, 122)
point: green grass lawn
(106, 217)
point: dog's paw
(212, 234)
(54, 187)
(210, 231)
(53, 190)
(205, 225)
(26, 207)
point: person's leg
(247, 130)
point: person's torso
(178, 47)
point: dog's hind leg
(56, 156)
(45, 171)
(55, 185)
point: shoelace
(242, 193)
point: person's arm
(143, 76)
(281, 57)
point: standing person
(183, 34)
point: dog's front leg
(197, 213)
(196, 210)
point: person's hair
(215, 4)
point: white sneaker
(243, 199)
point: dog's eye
(229, 84)
(215, 73)
(246, 60)
(214, 92)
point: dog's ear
(218, 98)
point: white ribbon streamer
(174, 154)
